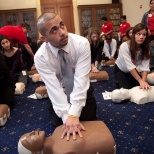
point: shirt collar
(55, 50)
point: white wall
(89, 2)
(131, 8)
(17, 4)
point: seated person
(13, 58)
(96, 46)
(135, 95)
(109, 51)
(7, 84)
(96, 139)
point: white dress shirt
(125, 63)
(113, 46)
(48, 65)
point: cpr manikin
(4, 114)
(41, 92)
(101, 75)
(36, 77)
(97, 139)
(135, 95)
(150, 78)
(20, 88)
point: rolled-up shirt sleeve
(144, 66)
(124, 61)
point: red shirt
(151, 23)
(107, 27)
(15, 34)
(123, 27)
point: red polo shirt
(123, 27)
(107, 27)
(15, 34)
(151, 23)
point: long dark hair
(144, 46)
(2, 37)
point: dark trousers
(125, 80)
(7, 96)
(88, 112)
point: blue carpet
(132, 125)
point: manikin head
(120, 95)
(41, 92)
(31, 142)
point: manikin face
(56, 32)
(119, 95)
(140, 36)
(5, 43)
(94, 38)
(33, 141)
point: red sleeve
(22, 38)
(111, 26)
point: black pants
(125, 80)
(7, 96)
(88, 112)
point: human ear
(43, 39)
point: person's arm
(29, 50)
(79, 94)
(2, 68)
(93, 66)
(106, 50)
(144, 19)
(111, 29)
(114, 47)
(109, 32)
(47, 71)
(98, 51)
(17, 57)
(141, 80)
(144, 67)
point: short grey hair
(43, 19)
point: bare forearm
(144, 75)
(135, 74)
